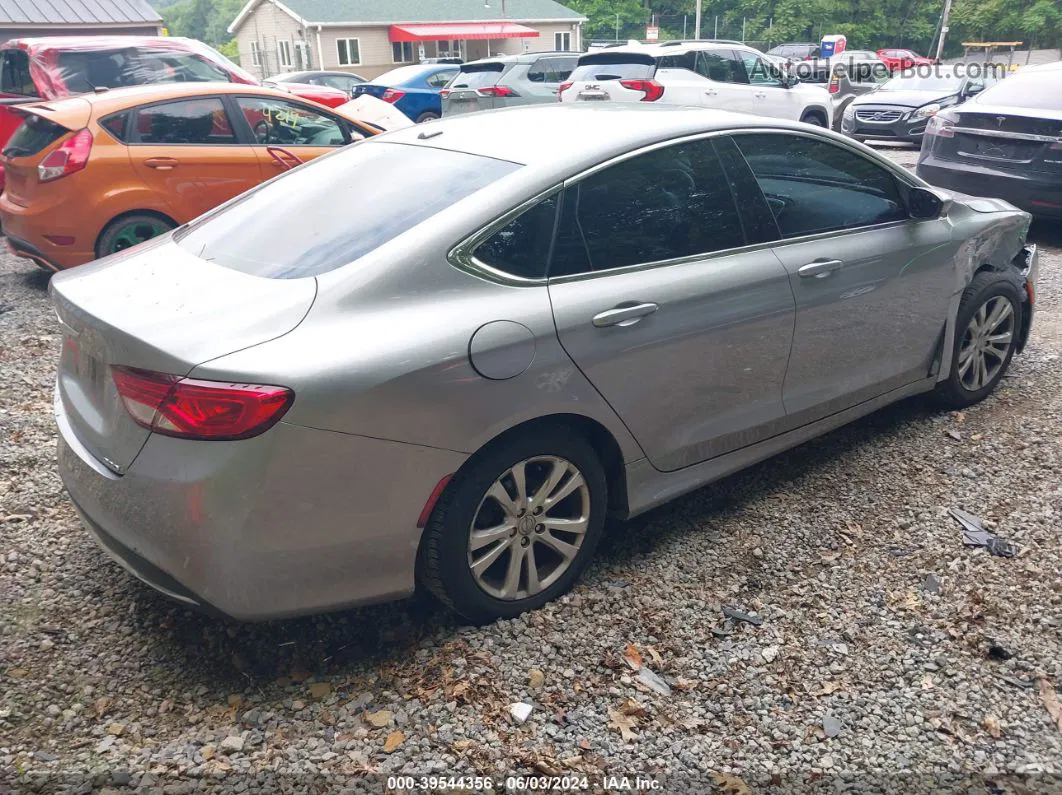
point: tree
(603, 15)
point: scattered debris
(931, 584)
(657, 659)
(975, 535)
(998, 653)
(954, 435)
(624, 724)
(991, 724)
(633, 657)
(394, 739)
(770, 653)
(520, 712)
(737, 615)
(731, 785)
(1050, 699)
(232, 744)
(725, 630)
(536, 679)
(653, 682)
(117, 729)
(380, 718)
(1025, 684)
(831, 725)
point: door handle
(820, 268)
(711, 92)
(624, 315)
(161, 163)
(760, 95)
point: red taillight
(941, 126)
(562, 88)
(835, 85)
(191, 409)
(68, 158)
(392, 95)
(444, 93)
(497, 91)
(652, 89)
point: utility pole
(685, 19)
(617, 27)
(943, 28)
(697, 22)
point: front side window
(662, 205)
(402, 52)
(348, 52)
(276, 121)
(189, 121)
(342, 218)
(816, 186)
(521, 247)
(15, 74)
(760, 73)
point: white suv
(712, 75)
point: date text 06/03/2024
(522, 784)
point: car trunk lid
(160, 308)
(45, 125)
(1005, 140)
(472, 88)
(598, 76)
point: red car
(903, 59)
(61, 66)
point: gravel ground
(889, 656)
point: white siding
(267, 25)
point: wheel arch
(126, 214)
(818, 110)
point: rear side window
(117, 125)
(665, 204)
(15, 74)
(191, 121)
(521, 247)
(614, 66)
(337, 208)
(478, 75)
(85, 71)
(33, 135)
(816, 186)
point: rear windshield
(32, 136)
(337, 209)
(478, 75)
(85, 71)
(613, 66)
(402, 74)
(1041, 91)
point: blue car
(414, 90)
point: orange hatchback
(94, 174)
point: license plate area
(994, 149)
(592, 95)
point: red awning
(461, 31)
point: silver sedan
(444, 355)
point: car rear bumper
(294, 521)
(1037, 194)
(27, 229)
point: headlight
(925, 111)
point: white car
(712, 75)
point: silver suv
(507, 80)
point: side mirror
(972, 89)
(925, 204)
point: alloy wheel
(986, 343)
(529, 527)
(136, 232)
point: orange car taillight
(69, 158)
(193, 409)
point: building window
(562, 41)
(284, 53)
(402, 52)
(256, 55)
(349, 51)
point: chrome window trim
(462, 257)
(1041, 139)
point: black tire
(429, 116)
(444, 561)
(131, 229)
(983, 289)
(814, 117)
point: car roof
(95, 42)
(658, 50)
(566, 136)
(525, 57)
(117, 99)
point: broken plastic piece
(737, 615)
(975, 535)
(653, 682)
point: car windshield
(337, 209)
(1038, 91)
(401, 75)
(945, 81)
